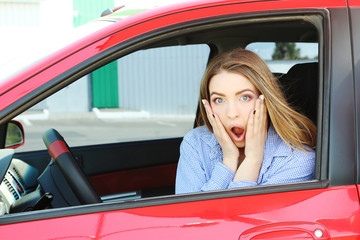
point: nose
(232, 111)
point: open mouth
(238, 133)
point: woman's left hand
(256, 131)
(256, 134)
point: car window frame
(137, 43)
(354, 12)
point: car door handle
(287, 230)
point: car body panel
(354, 3)
(224, 218)
(340, 82)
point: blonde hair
(294, 128)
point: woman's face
(233, 98)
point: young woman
(252, 136)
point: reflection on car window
(155, 93)
(281, 56)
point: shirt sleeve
(220, 179)
(244, 183)
(297, 167)
(191, 171)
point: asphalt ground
(88, 129)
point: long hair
(294, 128)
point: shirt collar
(208, 137)
(215, 149)
(274, 146)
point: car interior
(64, 175)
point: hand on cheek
(256, 134)
(231, 153)
(256, 131)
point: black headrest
(300, 86)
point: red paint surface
(336, 209)
(354, 3)
(287, 230)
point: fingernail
(261, 98)
(203, 101)
(254, 111)
(213, 115)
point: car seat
(300, 86)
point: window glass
(281, 56)
(153, 94)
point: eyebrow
(237, 93)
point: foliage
(286, 51)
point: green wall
(104, 81)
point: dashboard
(18, 180)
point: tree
(284, 51)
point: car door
(325, 208)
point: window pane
(280, 57)
(157, 93)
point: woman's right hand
(231, 153)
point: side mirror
(15, 136)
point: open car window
(125, 120)
(148, 94)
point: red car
(123, 187)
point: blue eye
(244, 98)
(219, 100)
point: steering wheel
(65, 160)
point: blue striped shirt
(200, 166)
